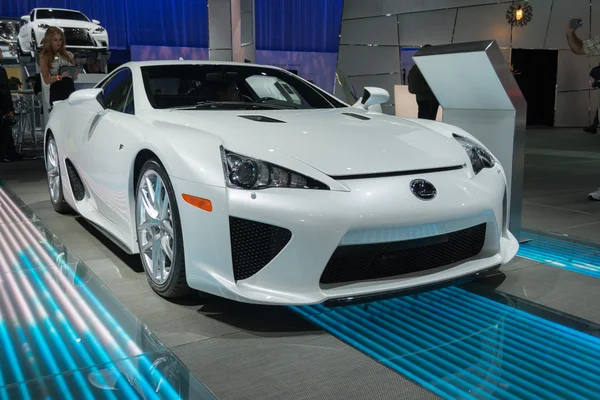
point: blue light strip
(9, 352)
(27, 249)
(561, 253)
(167, 390)
(59, 344)
(461, 345)
(70, 335)
(3, 391)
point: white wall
(373, 31)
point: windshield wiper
(234, 105)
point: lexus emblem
(423, 189)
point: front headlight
(99, 30)
(243, 172)
(43, 26)
(480, 157)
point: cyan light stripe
(70, 336)
(54, 334)
(461, 345)
(166, 390)
(566, 254)
(9, 352)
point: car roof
(193, 62)
(55, 8)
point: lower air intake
(254, 245)
(386, 260)
(75, 180)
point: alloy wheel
(53, 171)
(155, 227)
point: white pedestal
(479, 94)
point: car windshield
(60, 14)
(232, 87)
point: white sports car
(81, 34)
(290, 198)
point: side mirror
(25, 18)
(372, 96)
(95, 21)
(93, 98)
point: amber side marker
(198, 202)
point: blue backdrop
(133, 22)
(298, 25)
(288, 25)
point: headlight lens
(43, 26)
(480, 157)
(99, 30)
(243, 172)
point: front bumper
(373, 211)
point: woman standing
(54, 56)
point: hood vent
(357, 116)
(261, 118)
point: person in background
(54, 56)
(589, 48)
(595, 75)
(426, 100)
(7, 114)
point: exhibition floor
(529, 332)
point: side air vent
(76, 182)
(357, 116)
(261, 118)
(254, 245)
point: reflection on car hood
(335, 141)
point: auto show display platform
(79, 320)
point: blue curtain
(180, 23)
(110, 13)
(134, 22)
(298, 25)
(288, 25)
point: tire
(166, 225)
(20, 51)
(55, 188)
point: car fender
(187, 153)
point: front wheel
(53, 174)
(159, 234)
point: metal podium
(478, 93)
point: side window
(129, 106)
(116, 90)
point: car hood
(67, 23)
(339, 142)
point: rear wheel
(53, 174)
(159, 232)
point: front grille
(254, 245)
(386, 260)
(78, 37)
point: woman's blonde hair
(47, 54)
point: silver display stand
(478, 93)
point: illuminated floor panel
(461, 345)
(63, 335)
(562, 252)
